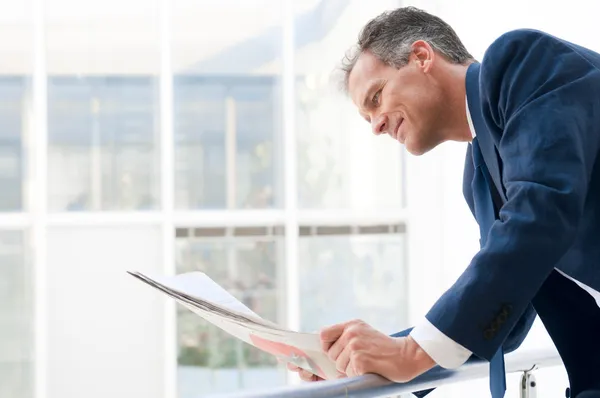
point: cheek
(409, 105)
(393, 98)
(422, 112)
(418, 98)
(399, 101)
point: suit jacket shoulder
(523, 64)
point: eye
(376, 98)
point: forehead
(366, 70)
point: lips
(396, 134)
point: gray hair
(389, 37)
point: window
(247, 262)
(341, 165)
(103, 144)
(12, 124)
(225, 142)
(227, 107)
(227, 156)
(346, 274)
(16, 316)
(98, 320)
(104, 88)
(103, 105)
(228, 127)
(16, 36)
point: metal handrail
(376, 386)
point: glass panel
(103, 106)
(349, 277)
(100, 323)
(210, 360)
(13, 93)
(16, 40)
(199, 116)
(340, 163)
(16, 317)
(227, 107)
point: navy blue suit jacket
(535, 104)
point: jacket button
(502, 317)
(488, 334)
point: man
(530, 112)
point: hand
(358, 349)
(305, 375)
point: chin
(419, 147)
(417, 153)
(415, 150)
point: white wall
(105, 329)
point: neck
(456, 108)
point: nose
(380, 125)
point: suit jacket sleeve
(514, 340)
(540, 101)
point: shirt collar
(471, 127)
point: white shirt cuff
(441, 348)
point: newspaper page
(201, 295)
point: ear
(423, 55)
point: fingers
(336, 349)
(352, 330)
(305, 375)
(330, 335)
(342, 362)
(354, 366)
(334, 342)
(350, 340)
(293, 367)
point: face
(405, 103)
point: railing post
(528, 385)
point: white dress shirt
(442, 349)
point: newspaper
(200, 294)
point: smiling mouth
(396, 134)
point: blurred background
(169, 136)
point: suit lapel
(486, 144)
(468, 178)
